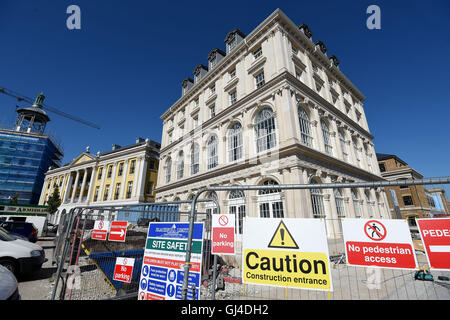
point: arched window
(180, 165)
(326, 137)
(236, 206)
(168, 170)
(235, 142)
(305, 127)
(211, 207)
(356, 203)
(212, 148)
(265, 130)
(339, 199)
(195, 158)
(317, 201)
(270, 203)
(343, 145)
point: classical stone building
(273, 108)
(123, 176)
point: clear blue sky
(124, 68)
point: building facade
(122, 176)
(273, 108)
(26, 153)
(410, 202)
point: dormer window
(199, 72)
(186, 85)
(214, 57)
(233, 38)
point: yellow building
(122, 176)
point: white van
(20, 256)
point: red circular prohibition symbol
(373, 231)
(223, 220)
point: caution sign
(282, 238)
(286, 252)
(384, 243)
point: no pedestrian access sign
(101, 229)
(287, 253)
(435, 233)
(379, 243)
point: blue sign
(143, 283)
(194, 278)
(175, 230)
(170, 290)
(172, 275)
(145, 270)
(156, 287)
(158, 273)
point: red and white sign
(223, 226)
(118, 231)
(124, 269)
(435, 233)
(100, 230)
(384, 243)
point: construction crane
(21, 97)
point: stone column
(91, 184)
(83, 185)
(75, 186)
(141, 178)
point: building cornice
(277, 16)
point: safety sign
(382, 243)
(162, 271)
(124, 269)
(286, 252)
(435, 233)
(100, 230)
(223, 241)
(118, 231)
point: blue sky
(124, 68)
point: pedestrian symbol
(375, 230)
(282, 238)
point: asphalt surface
(38, 285)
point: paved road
(38, 286)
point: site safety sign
(162, 271)
(100, 230)
(223, 234)
(382, 243)
(435, 233)
(286, 252)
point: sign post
(435, 233)
(384, 243)
(286, 253)
(162, 272)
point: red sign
(435, 234)
(124, 269)
(118, 231)
(223, 234)
(100, 230)
(382, 243)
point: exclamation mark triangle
(282, 238)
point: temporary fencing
(86, 266)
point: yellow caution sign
(288, 252)
(308, 270)
(282, 238)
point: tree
(15, 199)
(54, 201)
